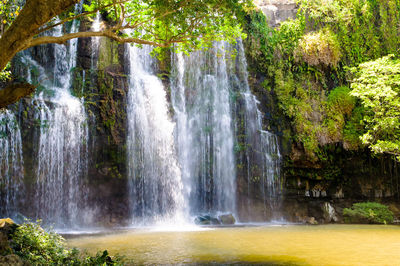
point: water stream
(61, 162)
(263, 158)
(11, 165)
(205, 131)
(206, 92)
(153, 171)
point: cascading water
(11, 165)
(174, 169)
(206, 89)
(263, 158)
(60, 193)
(154, 174)
(95, 41)
(201, 97)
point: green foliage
(366, 29)
(340, 101)
(9, 10)
(39, 247)
(159, 21)
(266, 45)
(354, 129)
(368, 212)
(377, 85)
(5, 74)
(319, 49)
(305, 64)
(339, 106)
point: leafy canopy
(182, 24)
(377, 85)
(189, 23)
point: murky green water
(271, 245)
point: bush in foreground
(36, 246)
(368, 212)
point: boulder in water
(203, 220)
(206, 220)
(329, 213)
(227, 219)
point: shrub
(319, 49)
(340, 101)
(38, 247)
(377, 86)
(368, 212)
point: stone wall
(277, 11)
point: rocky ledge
(277, 11)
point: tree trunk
(34, 14)
(14, 92)
(19, 35)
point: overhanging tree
(185, 24)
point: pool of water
(264, 245)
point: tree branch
(105, 33)
(14, 92)
(78, 16)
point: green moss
(108, 53)
(340, 101)
(368, 212)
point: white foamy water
(153, 170)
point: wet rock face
(102, 78)
(277, 11)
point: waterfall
(11, 165)
(153, 171)
(202, 101)
(206, 92)
(263, 158)
(60, 193)
(62, 155)
(95, 41)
